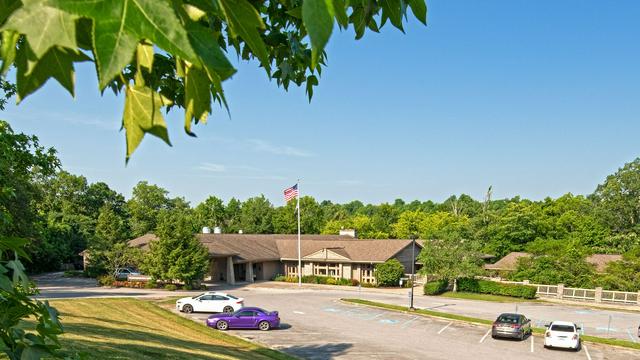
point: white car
(210, 302)
(562, 334)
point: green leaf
(43, 26)
(120, 24)
(244, 21)
(341, 13)
(317, 16)
(142, 115)
(419, 9)
(56, 63)
(8, 50)
(311, 82)
(211, 56)
(393, 9)
(197, 97)
(144, 56)
(7, 7)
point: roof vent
(206, 230)
(217, 230)
(348, 232)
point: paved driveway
(316, 325)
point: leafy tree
(513, 227)
(389, 272)
(409, 224)
(8, 90)
(110, 228)
(623, 275)
(232, 222)
(256, 216)
(568, 267)
(145, 205)
(174, 53)
(451, 259)
(177, 254)
(617, 198)
(285, 218)
(210, 213)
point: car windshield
(563, 328)
(193, 297)
(509, 319)
(231, 296)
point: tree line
(63, 214)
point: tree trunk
(455, 285)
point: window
(246, 313)
(508, 319)
(562, 328)
(219, 297)
(206, 297)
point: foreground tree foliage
(163, 53)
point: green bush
(280, 278)
(389, 273)
(106, 280)
(354, 282)
(496, 288)
(170, 287)
(331, 281)
(150, 285)
(436, 287)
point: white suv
(210, 302)
(562, 334)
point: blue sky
(537, 98)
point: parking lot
(317, 325)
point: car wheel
(187, 308)
(222, 325)
(227, 309)
(264, 325)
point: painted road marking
(298, 312)
(604, 329)
(445, 327)
(485, 336)
(375, 316)
(388, 321)
(531, 342)
(586, 351)
(581, 328)
(331, 310)
(633, 338)
(406, 323)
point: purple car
(245, 318)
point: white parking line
(586, 351)
(406, 323)
(631, 336)
(444, 328)
(531, 342)
(298, 312)
(485, 336)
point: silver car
(511, 326)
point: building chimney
(349, 232)
(217, 230)
(206, 230)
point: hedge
(436, 287)
(314, 279)
(496, 288)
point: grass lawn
(485, 297)
(136, 329)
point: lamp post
(413, 267)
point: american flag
(291, 193)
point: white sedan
(210, 302)
(562, 334)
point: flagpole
(299, 256)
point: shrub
(389, 273)
(496, 288)
(203, 287)
(355, 282)
(170, 287)
(106, 280)
(436, 287)
(331, 281)
(150, 285)
(369, 285)
(280, 278)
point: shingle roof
(508, 263)
(259, 247)
(600, 261)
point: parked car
(562, 334)
(210, 302)
(245, 318)
(511, 326)
(123, 273)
